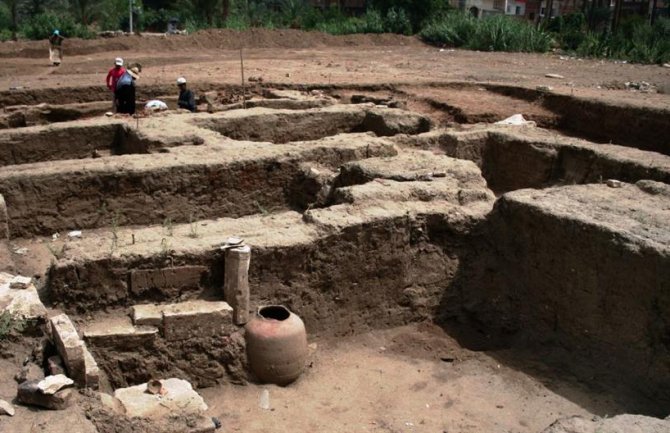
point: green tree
(13, 7)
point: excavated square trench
(477, 277)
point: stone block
(92, 370)
(194, 319)
(29, 393)
(166, 279)
(24, 302)
(147, 315)
(70, 347)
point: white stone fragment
(53, 384)
(20, 282)
(74, 234)
(6, 408)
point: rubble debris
(517, 120)
(29, 393)
(613, 183)
(557, 76)
(6, 408)
(621, 423)
(179, 397)
(29, 372)
(74, 234)
(22, 303)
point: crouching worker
(125, 91)
(186, 96)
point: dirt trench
(361, 218)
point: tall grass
(635, 41)
(497, 33)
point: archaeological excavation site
(462, 257)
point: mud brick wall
(583, 287)
(379, 274)
(50, 144)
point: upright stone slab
(236, 282)
(4, 219)
(70, 347)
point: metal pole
(244, 93)
(130, 7)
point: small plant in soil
(165, 247)
(193, 227)
(261, 209)
(56, 252)
(10, 324)
(168, 226)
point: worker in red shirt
(113, 77)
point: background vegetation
(588, 33)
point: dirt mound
(208, 39)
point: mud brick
(194, 319)
(179, 277)
(70, 347)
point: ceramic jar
(276, 345)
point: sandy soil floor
(409, 379)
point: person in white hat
(113, 77)
(186, 97)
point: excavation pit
(463, 269)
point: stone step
(195, 339)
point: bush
(635, 41)
(497, 33)
(397, 21)
(41, 26)
(454, 30)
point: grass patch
(497, 33)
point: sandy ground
(409, 379)
(401, 60)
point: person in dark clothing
(186, 96)
(125, 92)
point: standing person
(55, 48)
(113, 77)
(125, 91)
(186, 97)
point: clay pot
(276, 345)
